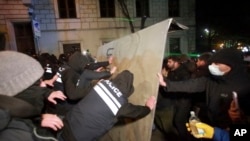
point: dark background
(228, 17)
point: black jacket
(77, 80)
(107, 102)
(21, 114)
(218, 93)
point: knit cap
(18, 71)
(228, 56)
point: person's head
(18, 71)
(183, 58)
(78, 61)
(226, 61)
(203, 59)
(63, 58)
(165, 68)
(124, 82)
(173, 62)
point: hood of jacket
(77, 61)
(233, 58)
(124, 82)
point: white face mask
(214, 70)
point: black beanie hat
(229, 56)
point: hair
(205, 56)
(174, 58)
(184, 58)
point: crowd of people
(75, 101)
(207, 90)
(45, 98)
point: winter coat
(218, 93)
(19, 114)
(97, 113)
(77, 80)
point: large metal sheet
(142, 53)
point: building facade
(60, 26)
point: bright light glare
(245, 49)
(206, 30)
(221, 45)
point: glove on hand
(208, 130)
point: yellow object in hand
(208, 130)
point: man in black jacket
(228, 75)
(173, 116)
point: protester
(173, 108)
(215, 133)
(237, 114)
(199, 98)
(202, 65)
(228, 75)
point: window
(173, 8)
(71, 47)
(174, 45)
(107, 8)
(142, 8)
(24, 38)
(66, 8)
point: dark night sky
(229, 17)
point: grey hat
(18, 71)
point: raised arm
(189, 86)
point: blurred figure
(22, 104)
(239, 114)
(173, 108)
(109, 104)
(21, 97)
(165, 68)
(202, 65)
(188, 62)
(77, 81)
(228, 74)
(199, 98)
